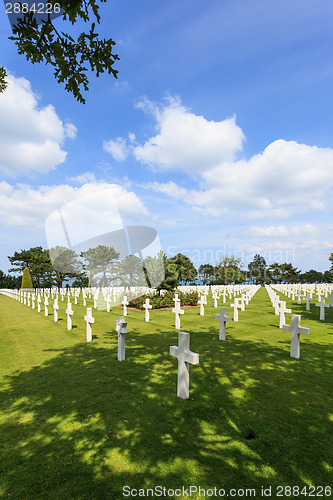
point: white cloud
(286, 178)
(117, 149)
(269, 231)
(24, 206)
(31, 137)
(84, 178)
(70, 130)
(186, 141)
(273, 231)
(170, 188)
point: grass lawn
(78, 424)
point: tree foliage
(65, 264)
(100, 262)
(184, 267)
(37, 260)
(328, 276)
(171, 275)
(331, 261)
(71, 58)
(206, 273)
(257, 269)
(3, 82)
(26, 279)
(130, 272)
(7, 281)
(284, 273)
(228, 271)
(312, 276)
(44, 271)
(154, 270)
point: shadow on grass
(83, 425)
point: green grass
(76, 423)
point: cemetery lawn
(78, 424)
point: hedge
(157, 301)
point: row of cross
(182, 352)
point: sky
(218, 132)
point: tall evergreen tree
(257, 269)
(331, 261)
(37, 260)
(171, 275)
(100, 262)
(284, 273)
(130, 272)
(65, 265)
(154, 269)
(185, 268)
(229, 270)
(26, 279)
(206, 273)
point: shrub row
(157, 301)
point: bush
(158, 302)
(26, 279)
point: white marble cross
(299, 300)
(223, 318)
(283, 310)
(108, 303)
(55, 310)
(146, 307)
(322, 306)
(295, 330)
(201, 303)
(121, 328)
(69, 313)
(236, 306)
(28, 299)
(46, 305)
(276, 305)
(33, 301)
(308, 299)
(125, 304)
(178, 311)
(176, 298)
(89, 320)
(215, 298)
(38, 302)
(184, 356)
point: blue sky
(218, 132)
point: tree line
(230, 270)
(101, 266)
